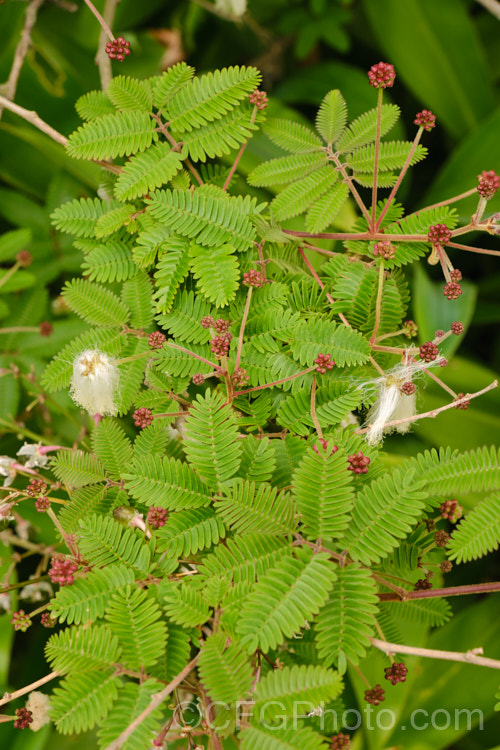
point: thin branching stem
(378, 303)
(473, 656)
(403, 172)
(242, 327)
(376, 160)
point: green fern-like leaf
(79, 217)
(188, 531)
(87, 598)
(110, 262)
(115, 220)
(334, 402)
(147, 171)
(325, 209)
(249, 508)
(286, 169)
(346, 346)
(291, 738)
(113, 135)
(283, 598)
(473, 471)
(184, 605)
(323, 490)
(83, 700)
(210, 96)
(112, 447)
(91, 499)
(257, 460)
(297, 197)
(165, 482)
(134, 617)
(217, 272)
(173, 79)
(133, 699)
(211, 439)
(184, 321)
(130, 93)
(243, 558)
(136, 294)
(211, 219)
(428, 612)
(348, 619)
(219, 138)
(384, 512)
(104, 541)
(392, 155)
(281, 691)
(93, 105)
(332, 117)
(94, 303)
(478, 533)
(225, 673)
(171, 270)
(80, 649)
(364, 129)
(291, 136)
(77, 468)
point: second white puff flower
(94, 383)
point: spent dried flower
(38, 704)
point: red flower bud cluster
(118, 49)
(382, 75)
(425, 119)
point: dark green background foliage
(446, 57)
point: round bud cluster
(62, 570)
(47, 620)
(358, 463)
(423, 584)
(408, 388)
(451, 510)
(324, 445)
(382, 75)
(240, 377)
(439, 333)
(464, 405)
(375, 696)
(36, 487)
(488, 183)
(118, 49)
(254, 278)
(198, 378)
(340, 742)
(258, 99)
(23, 718)
(46, 329)
(410, 329)
(220, 345)
(446, 566)
(207, 321)
(221, 325)
(324, 362)
(143, 417)
(425, 119)
(21, 620)
(396, 672)
(439, 234)
(452, 290)
(442, 362)
(42, 504)
(157, 517)
(428, 351)
(384, 249)
(24, 258)
(457, 327)
(441, 538)
(456, 275)
(156, 339)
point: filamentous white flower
(8, 470)
(232, 7)
(94, 382)
(36, 459)
(392, 404)
(39, 705)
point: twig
(102, 60)
(314, 416)
(101, 20)
(240, 152)
(378, 304)
(34, 119)
(373, 221)
(21, 49)
(473, 656)
(435, 412)
(242, 327)
(7, 697)
(481, 250)
(471, 588)
(404, 169)
(156, 700)
(492, 5)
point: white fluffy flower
(39, 705)
(36, 459)
(7, 470)
(232, 7)
(95, 381)
(392, 404)
(36, 592)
